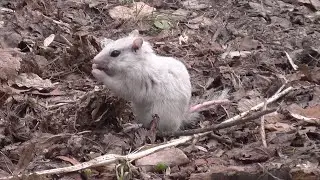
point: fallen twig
(270, 174)
(260, 105)
(3, 9)
(310, 120)
(219, 126)
(262, 130)
(294, 66)
(66, 40)
(57, 22)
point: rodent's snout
(94, 60)
(95, 63)
(99, 65)
(94, 66)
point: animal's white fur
(155, 84)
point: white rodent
(154, 84)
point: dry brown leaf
(315, 75)
(137, 10)
(280, 127)
(120, 12)
(233, 54)
(310, 114)
(31, 80)
(26, 157)
(196, 4)
(199, 21)
(6, 92)
(283, 22)
(73, 161)
(180, 14)
(273, 118)
(246, 104)
(169, 156)
(311, 111)
(307, 168)
(48, 40)
(259, 8)
(312, 74)
(248, 44)
(9, 65)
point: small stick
(280, 89)
(259, 106)
(310, 120)
(6, 9)
(266, 171)
(57, 22)
(262, 130)
(66, 40)
(294, 66)
(219, 126)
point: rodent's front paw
(99, 74)
(95, 66)
(105, 69)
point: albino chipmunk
(154, 84)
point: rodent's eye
(115, 53)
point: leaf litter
(53, 113)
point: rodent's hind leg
(154, 122)
(167, 121)
(169, 125)
(143, 115)
(161, 124)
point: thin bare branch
(294, 66)
(260, 105)
(262, 129)
(219, 126)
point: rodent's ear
(134, 33)
(137, 43)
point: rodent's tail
(194, 116)
(215, 99)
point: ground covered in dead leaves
(54, 114)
